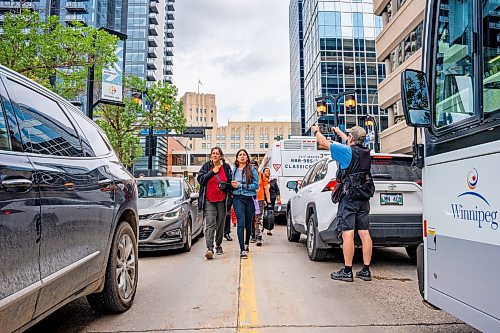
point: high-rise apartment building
(150, 51)
(150, 43)
(339, 55)
(100, 13)
(297, 68)
(399, 46)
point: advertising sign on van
(296, 163)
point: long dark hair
(247, 170)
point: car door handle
(17, 184)
(105, 182)
(310, 191)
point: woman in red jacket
(215, 186)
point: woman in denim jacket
(245, 183)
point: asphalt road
(277, 289)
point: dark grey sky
(239, 50)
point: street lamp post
(334, 100)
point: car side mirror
(415, 98)
(194, 196)
(293, 185)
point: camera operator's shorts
(353, 215)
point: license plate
(393, 199)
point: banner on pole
(112, 77)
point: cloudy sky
(239, 50)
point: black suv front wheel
(121, 274)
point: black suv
(68, 209)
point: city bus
(454, 103)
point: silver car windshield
(158, 188)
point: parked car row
(396, 207)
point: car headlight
(165, 216)
(172, 234)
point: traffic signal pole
(149, 150)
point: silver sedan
(168, 214)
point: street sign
(145, 132)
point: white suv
(395, 214)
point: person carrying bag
(214, 177)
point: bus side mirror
(415, 98)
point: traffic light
(151, 144)
(185, 174)
(350, 101)
(321, 107)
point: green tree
(164, 111)
(122, 124)
(43, 48)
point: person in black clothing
(215, 178)
(227, 224)
(274, 191)
(356, 188)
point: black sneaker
(247, 248)
(342, 275)
(243, 254)
(364, 275)
(228, 237)
(259, 241)
(253, 240)
(218, 250)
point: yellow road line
(248, 317)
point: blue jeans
(245, 211)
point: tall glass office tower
(297, 67)
(339, 55)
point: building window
(232, 145)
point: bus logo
(469, 212)
(472, 179)
(276, 167)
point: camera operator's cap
(358, 133)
